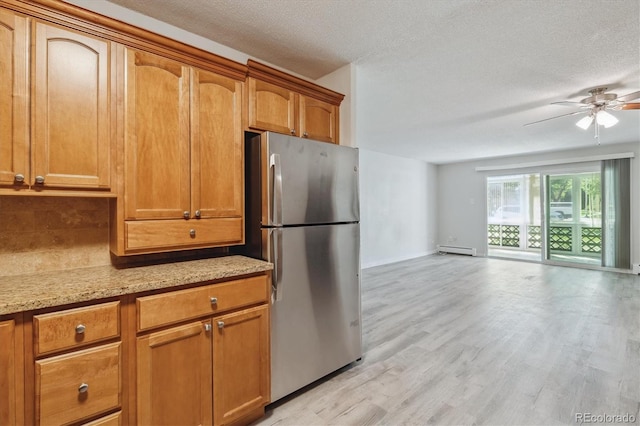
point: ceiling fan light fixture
(585, 122)
(605, 119)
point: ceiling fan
(596, 107)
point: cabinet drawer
(75, 327)
(61, 396)
(176, 306)
(154, 234)
(114, 419)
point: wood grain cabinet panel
(75, 327)
(271, 107)
(11, 374)
(184, 184)
(156, 137)
(282, 103)
(163, 309)
(114, 419)
(71, 114)
(318, 120)
(241, 363)
(14, 101)
(75, 386)
(174, 376)
(217, 178)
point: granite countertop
(43, 290)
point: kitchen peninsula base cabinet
(213, 368)
(191, 354)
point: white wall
(397, 208)
(462, 197)
(343, 81)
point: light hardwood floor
(468, 340)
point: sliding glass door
(573, 213)
(580, 216)
(514, 216)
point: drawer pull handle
(220, 325)
(83, 388)
(80, 328)
(192, 232)
(214, 300)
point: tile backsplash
(39, 234)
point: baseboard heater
(469, 251)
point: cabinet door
(174, 376)
(14, 113)
(156, 137)
(71, 140)
(241, 364)
(318, 120)
(271, 107)
(216, 145)
(10, 374)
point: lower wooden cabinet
(78, 385)
(11, 372)
(241, 365)
(212, 371)
(174, 376)
(193, 356)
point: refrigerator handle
(276, 206)
(276, 249)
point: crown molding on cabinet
(80, 19)
(287, 81)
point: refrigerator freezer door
(315, 318)
(308, 182)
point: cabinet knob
(192, 232)
(80, 328)
(293, 131)
(186, 214)
(39, 180)
(207, 327)
(83, 388)
(198, 214)
(305, 134)
(214, 300)
(19, 178)
(220, 325)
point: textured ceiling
(443, 80)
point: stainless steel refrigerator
(303, 216)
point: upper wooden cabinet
(183, 157)
(71, 112)
(14, 101)
(281, 103)
(67, 144)
(318, 120)
(271, 107)
(156, 137)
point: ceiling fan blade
(629, 97)
(635, 105)
(568, 103)
(558, 116)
